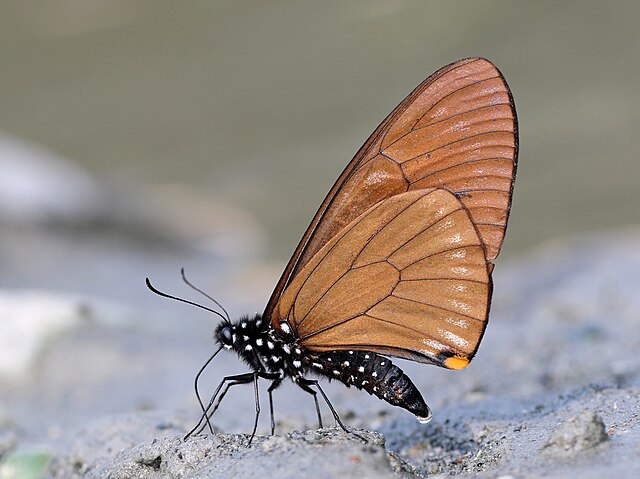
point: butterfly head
(225, 335)
(236, 335)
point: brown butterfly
(398, 259)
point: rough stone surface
(584, 431)
(326, 453)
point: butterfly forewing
(457, 130)
(408, 278)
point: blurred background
(139, 137)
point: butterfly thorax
(263, 348)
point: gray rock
(578, 433)
(322, 453)
(38, 186)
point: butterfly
(397, 261)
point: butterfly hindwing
(408, 278)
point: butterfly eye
(225, 336)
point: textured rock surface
(578, 433)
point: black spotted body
(373, 373)
(268, 351)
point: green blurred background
(260, 104)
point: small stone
(581, 432)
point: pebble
(581, 432)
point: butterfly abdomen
(375, 374)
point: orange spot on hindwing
(456, 362)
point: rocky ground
(96, 373)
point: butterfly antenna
(192, 286)
(165, 295)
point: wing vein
(423, 231)
(433, 80)
(468, 85)
(438, 307)
(451, 118)
(444, 279)
(462, 139)
(352, 262)
(443, 251)
(293, 303)
(489, 158)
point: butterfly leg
(274, 385)
(195, 385)
(226, 383)
(257, 375)
(305, 386)
(314, 382)
(257, 398)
